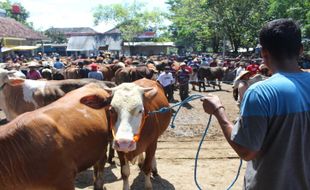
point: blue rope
(179, 105)
(198, 151)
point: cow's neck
(13, 101)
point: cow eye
(140, 111)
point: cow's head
(8, 77)
(128, 106)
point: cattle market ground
(176, 152)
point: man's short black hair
(282, 38)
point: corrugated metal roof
(82, 43)
(149, 44)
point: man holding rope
(273, 132)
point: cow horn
(146, 89)
(111, 90)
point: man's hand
(211, 103)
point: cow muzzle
(124, 145)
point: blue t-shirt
(59, 65)
(275, 120)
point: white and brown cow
(18, 95)
(136, 131)
(46, 148)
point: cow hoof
(140, 165)
(100, 188)
(111, 162)
(155, 173)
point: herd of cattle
(59, 128)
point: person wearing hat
(33, 73)
(94, 73)
(241, 84)
(166, 80)
(183, 80)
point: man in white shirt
(240, 68)
(166, 80)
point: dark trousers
(183, 91)
(169, 92)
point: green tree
(189, 24)
(299, 10)
(130, 18)
(22, 17)
(56, 36)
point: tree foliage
(130, 18)
(56, 36)
(22, 17)
(201, 23)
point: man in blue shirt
(273, 132)
(94, 73)
(58, 64)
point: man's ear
(96, 101)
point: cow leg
(111, 153)
(125, 170)
(147, 167)
(154, 167)
(99, 173)
(140, 161)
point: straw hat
(263, 66)
(242, 74)
(182, 64)
(33, 64)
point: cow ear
(16, 81)
(150, 93)
(96, 101)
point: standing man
(58, 64)
(273, 131)
(166, 80)
(183, 80)
(94, 73)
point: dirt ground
(217, 165)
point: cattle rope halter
(179, 105)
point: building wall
(146, 50)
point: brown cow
(21, 95)
(109, 70)
(135, 130)
(71, 72)
(45, 149)
(131, 74)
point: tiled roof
(11, 28)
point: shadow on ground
(157, 182)
(85, 179)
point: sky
(73, 13)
